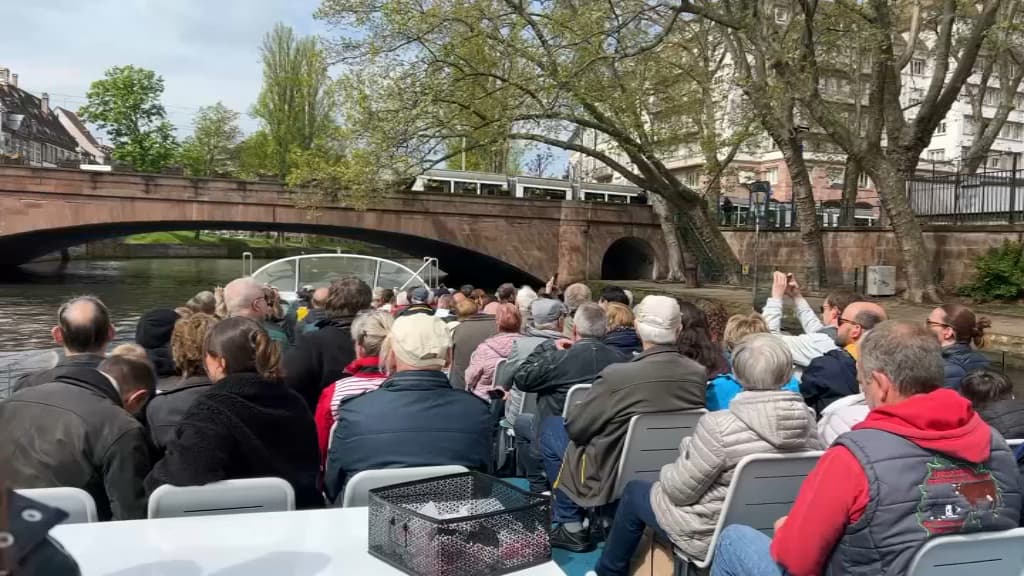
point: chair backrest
(990, 553)
(763, 489)
(225, 497)
(79, 505)
(652, 441)
(357, 490)
(574, 396)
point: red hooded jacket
(835, 493)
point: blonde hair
(187, 343)
(133, 351)
(371, 329)
(619, 316)
(220, 309)
(740, 326)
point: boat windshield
(316, 270)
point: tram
(441, 181)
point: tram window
(487, 189)
(617, 198)
(548, 193)
(593, 197)
(436, 186)
(464, 187)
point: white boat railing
(288, 275)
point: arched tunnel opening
(463, 266)
(628, 259)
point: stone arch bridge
(482, 240)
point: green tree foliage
(297, 103)
(126, 105)
(999, 274)
(212, 150)
(256, 156)
(421, 77)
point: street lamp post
(760, 193)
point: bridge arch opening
(629, 258)
(462, 265)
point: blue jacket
(828, 378)
(961, 360)
(722, 389)
(415, 418)
(625, 340)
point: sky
(206, 50)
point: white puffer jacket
(689, 495)
(841, 416)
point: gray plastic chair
(357, 490)
(578, 393)
(988, 553)
(225, 497)
(763, 489)
(652, 441)
(79, 505)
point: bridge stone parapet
(475, 238)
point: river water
(30, 297)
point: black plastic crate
(496, 528)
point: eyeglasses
(845, 321)
(933, 323)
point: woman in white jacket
(685, 503)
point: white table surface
(301, 543)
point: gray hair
(590, 321)
(908, 353)
(525, 297)
(577, 295)
(239, 295)
(762, 362)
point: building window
(937, 155)
(917, 67)
(991, 97)
(916, 95)
(781, 15)
(941, 128)
(969, 126)
(1012, 131)
(863, 181)
(993, 161)
(772, 176)
(1018, 101)
(691, 178)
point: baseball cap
(546, 310)
(421, 341)
(658, 312)
(420, 295)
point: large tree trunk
(892, 185)
(806, 215)
(673, 242)
(713, 192)
(851, 178)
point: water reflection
(30, 296)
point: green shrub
(999, 274)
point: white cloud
(206, 50)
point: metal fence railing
(782, 216)
(992, 197)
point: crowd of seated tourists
(235, 384)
